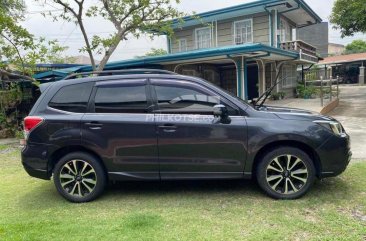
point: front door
(192, 144)
(120, 128)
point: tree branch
(16, 48)
(79, 17)
(16, 75)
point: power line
(44, 11)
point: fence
(326, 89)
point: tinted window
(72, 98)
(121, 99)
(186, 100)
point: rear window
(72, 98)
(121, 99)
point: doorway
(253, 81)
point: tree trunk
(87, 43)
(106, 57)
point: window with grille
(203, 38)
(289, 76)
(243, 31)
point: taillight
(31, 122)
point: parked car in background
(152, 125)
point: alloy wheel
(78, 178)
(287, 174)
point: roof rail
(118, 72)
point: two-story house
(240, 48)
(250, 44)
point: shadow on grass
(44, 195)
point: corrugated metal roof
(344, 58)
(189, 55)
(58, 72)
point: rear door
(192, 144)
(120, 127)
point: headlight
(333, 126)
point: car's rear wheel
(79, 177)
(286, 173)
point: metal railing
(328, 88)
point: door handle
(169, 128)
(94, 125)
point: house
(336, 49)
(350, 67)
(262, 35)
(240, 48)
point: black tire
(287, 183)
(87, 184)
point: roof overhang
(249, 51)
(296, 10)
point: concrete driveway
(351, 112)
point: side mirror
(220, 111)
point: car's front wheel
(286, 173)
(79, 177)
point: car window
(187, 100)
(72, 98)
(121, 99)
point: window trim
(186, 84)
(252, 32)
(64, 86)
(196, 35)
(126, 82)
(180, 45)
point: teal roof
(232, 11)
(197, 54)
(57, 73)
(176, 57)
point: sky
(68, 34)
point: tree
(357, 46)
(130, 18)
(18, 47)
(349, 16)
(154, 52)
(12, 35)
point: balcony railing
(307, 51)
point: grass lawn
(31, 209)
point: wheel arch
(288, 143)
(61, 152)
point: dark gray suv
(155, 125)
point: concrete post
(241, 77)
(330, 72)
(362, 79)
(331, 88)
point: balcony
(307, 52)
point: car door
(192, 142)
(121, 129)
